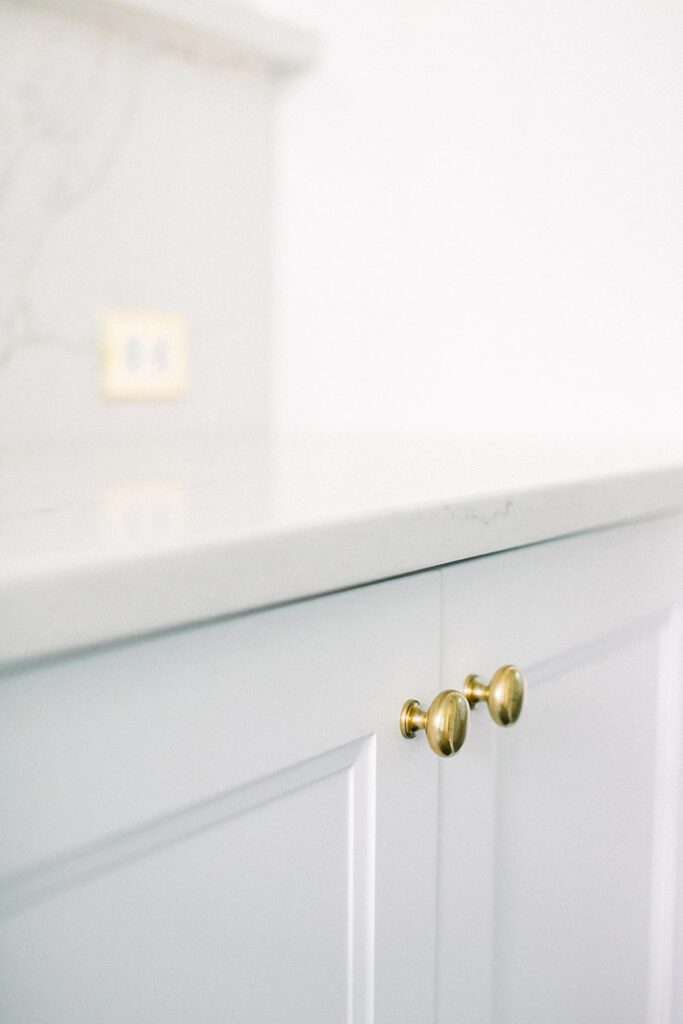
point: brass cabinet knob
(445, 722)
(504, 694)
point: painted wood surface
(224, 822)
(563, 828)
(215, 825)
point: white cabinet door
(557, 842)
(224, 824)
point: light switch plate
(144, 355)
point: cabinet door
(224, 824)
(557, 841)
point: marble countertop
(121, 540)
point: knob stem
(475, 689)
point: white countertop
(112, 542)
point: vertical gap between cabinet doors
(495, 951)
(665, 821)
(438, 927)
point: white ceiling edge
(217, 30)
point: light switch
(144, 355)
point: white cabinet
(557, 850)
(224, 822)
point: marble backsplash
(135, 173)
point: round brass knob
(504, 694)
(445, 722)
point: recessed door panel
(575, 826)
(256, 907)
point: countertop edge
(96, 603)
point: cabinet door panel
(558, 835)
(575, 831)
(258, 900)
(210, 826)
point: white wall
(481, 218)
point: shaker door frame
(219, 739)
(557, 836)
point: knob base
(413, 718)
